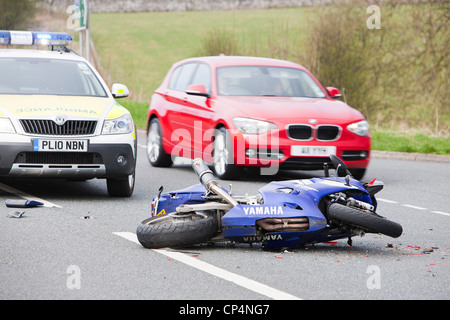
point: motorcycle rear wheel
(370, 222)
(176, 230)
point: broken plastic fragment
(11, 203)
(15, 214)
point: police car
(58, 118)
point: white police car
(58, 117)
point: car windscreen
(48, 77)
(266, 81)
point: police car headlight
(122, 124)
(6, 126)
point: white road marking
(27, 196)
(443, 213)
(386, 200)
(413, 207)
(218, 272)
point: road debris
(14, 203)
(15, 214)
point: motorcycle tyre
(371, 222)
(168, 231)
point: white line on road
(414, 207)
(443, 213)
(386, 200)
(218, 272)
(27, 196)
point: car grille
(59, 158)
(304, 163)
(300, 132)
(307, 132)
(69, 128)
(327, 132)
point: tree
(16, 14)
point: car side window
(183, 77)
(174, 77)
(203, 76)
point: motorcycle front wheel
(370, 222)
(176, 230)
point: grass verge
(404, 142)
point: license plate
(60, 145)
(315, 151)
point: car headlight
(252, 126)
(360, 128)
(122, 124)
(6, 126)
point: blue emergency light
(35, 38)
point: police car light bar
(35, 38)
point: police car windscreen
(48, 77)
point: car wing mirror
(334, 92)
(197, 90)
(119, 90)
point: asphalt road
(82, 245)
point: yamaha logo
(60, 120)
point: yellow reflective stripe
(116, 111)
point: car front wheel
(224, 166)
(155, 150)
(121, 187)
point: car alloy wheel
(153, 142)
(220, 153)
(223, 156)
(155, 151)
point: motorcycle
(284, 214)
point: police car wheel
(121, 187)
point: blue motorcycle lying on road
(285, 214)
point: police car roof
(29, 53)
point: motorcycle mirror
(160, 190)
(339, 165)
(325, 170)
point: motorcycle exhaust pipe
(207, 178)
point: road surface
(82, 244)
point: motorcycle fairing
(281, 199)
(171, 200)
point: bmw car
(58, 118)
(243, 112)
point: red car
(238, 112)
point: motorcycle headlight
(252, 126)
(360, 128)
(122, 124)
(6, 126)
